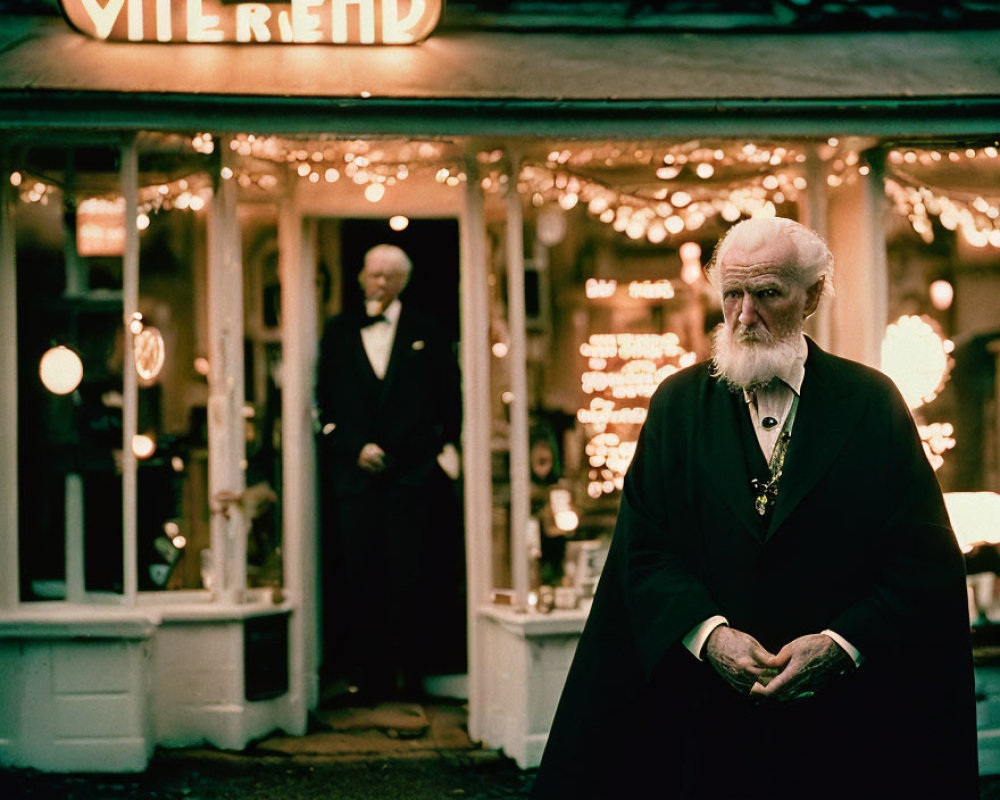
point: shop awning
(489, 82)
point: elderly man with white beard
(783, 611)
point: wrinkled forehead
(774, 259)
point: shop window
(69, 344)
(171, 447)
(80, 512)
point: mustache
(753, 335)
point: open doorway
(435, 648)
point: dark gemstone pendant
(768, 423)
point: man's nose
(748, 310)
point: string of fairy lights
(667, 191)
(975, 216)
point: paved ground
(395, 751)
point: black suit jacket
(410, 413)
(859, 542)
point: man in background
(783, 612)
(390, 409)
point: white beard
(750, 359)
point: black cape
(859, 542)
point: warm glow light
(690, 251)
(143, 446)
(374, 192)
(567, 520)
(100, 226)
(975, 517)
(373, 22)
(16, 178)
(651, 290)
(150, 353)
(180, 542)
(705, 171)
(680, 199)
(500, 349)
(61, 370)
(598, 287)
(937, 438)
(914, 356)
(201, 365)
(399, 222)
(942, 294)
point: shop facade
(160, 580)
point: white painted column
(857, 239)
(226, 439)
(520, 479)
(300, 514)
(9, 590)
(130, 380)
(73, 515)
(476, 429)
(813, 211)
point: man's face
(760, 301)
(382, 280)
(764, 306)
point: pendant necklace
(766, 492)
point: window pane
(171, 445)
(69, 309)
(262, 394)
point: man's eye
(768, 293)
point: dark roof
(45, 67)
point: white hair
(810, 259)
(389, 254)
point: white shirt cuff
(698, 635)
(850, 649)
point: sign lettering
(287, 22)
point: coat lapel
(369, 380)
(828, 412)
(400, 343)
(721, 457)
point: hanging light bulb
(60, 369)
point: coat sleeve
(919, 574)
(664, 595)
(344, 439)
(448, 386)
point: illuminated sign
(100, 227)
(291, 22)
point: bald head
(778, 246)
(385, 275)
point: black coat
(859, 542)
(411, 413)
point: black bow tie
(372, 320)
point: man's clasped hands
(801, 668)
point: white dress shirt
(378, 337)
(770, 404)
